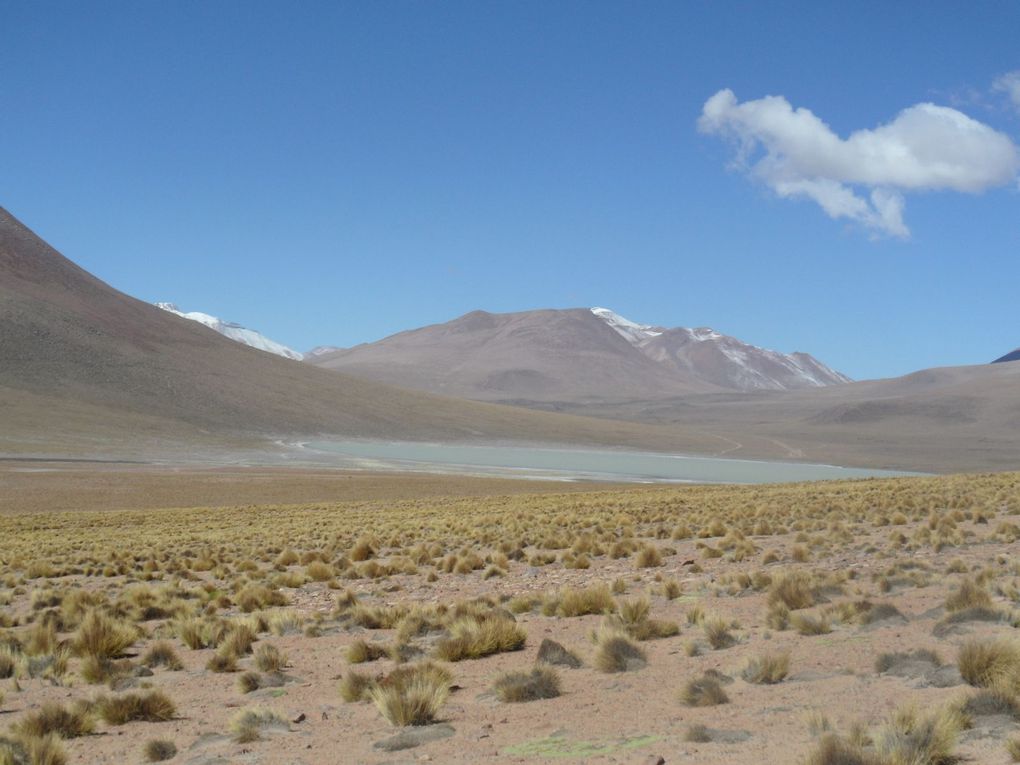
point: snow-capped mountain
(321, 350)
(235, 332)
(566, 356)
(722, 360)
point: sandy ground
(633, 717)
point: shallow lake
(577, 464)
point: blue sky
(331, 173)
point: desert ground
(404, 619)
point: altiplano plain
(710, 624)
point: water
(577, 464)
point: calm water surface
(590, 464)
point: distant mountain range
(572, 355)
(1011, 356)
(88, 371)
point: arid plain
(398, 619)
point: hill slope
(84, 362)
(572, 355)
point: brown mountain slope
(952, 418)
(544, 355)
(82, 362)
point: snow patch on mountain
(633, 332)
(738, 364)
(235, 332)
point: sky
(840, 179)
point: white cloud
(863, 177)
(1009, 83)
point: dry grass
(159, 750)
(473, 638)
(414, 697)
(148, 706)
(247, 725)
(704, 691)
(64, 721)
(617, 652)
(767, 669)
(539, 683)
(991, 663)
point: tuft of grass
(887, 661)
(151, 706)
(704, 691)
(648, 557)
(412, 695)
(54, 718)
(697, 734)
(910, 738)
(32, 750)
(970, 594)
(991, 663)
(836, 750)
(551, 652)
(361, 651)
(103, 637)
(717, 632)
(767, 669)
(570, 602)
(162, 654)
(474, 638)
(249, 682)
(1013, 748)
(247, 724)
(222, 662)
(793, 589)
(539, 683)
(807, 624)
(159, 750)
(355, 687)
(616, 652)
(268, 658)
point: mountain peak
(235, 331)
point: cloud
(863, 177)
(1009, 83)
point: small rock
(654, 759)
(300, 718)
(412, 737)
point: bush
(540, 683)
(616, 652)
(704, 691)
(414, 697)
(153, 706)
(767, 669)
(158, 750)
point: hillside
(88, 367)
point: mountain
(235, 332)
(721, 360)
(1011, 356)
(572, 355)
(86, 368)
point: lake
(577, 463)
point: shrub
(54, 717)
(616, 652)
(248, 682)
(767, 669)
(551, 652)
(158, 750)
(268, 658)
(909, 738)
(152, 706)
(162, 654)
(355, 687)
(970, 594)
(990, 663)
(413, 697)
(361, 651)
(102, 637)
(247, 724)
(596, 599)
(540, 683)
(473, 638)
(648, 557)
(717, 632)
(793, 590)
(806, 624)
(704, 691)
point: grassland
(853, 622)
